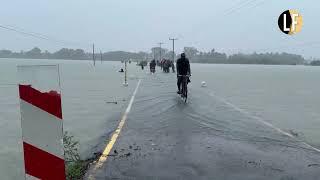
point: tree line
(240, 58)
(192, 53)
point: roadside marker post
(41, 122)
(125, 74)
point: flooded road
(250, 122)
(207, 138)
(89, 111)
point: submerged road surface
(207, 138)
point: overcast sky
(138, 25)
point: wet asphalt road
(164, 138)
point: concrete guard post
(41, 122)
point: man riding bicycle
(183, 68)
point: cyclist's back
(183, 68)
(183, 65)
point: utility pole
(125, 74)
(160, 43)
(101, 56)
(173, 39)
(94, 61)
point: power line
(24, 33)
(258, 4)
(237, 5)
(21, 29)
(246, 4)
(40, 36)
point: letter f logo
(294, 22)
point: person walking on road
(153, 66)
(173, 68)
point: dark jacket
(183, 66)
(153, 64)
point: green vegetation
(72, 54)
(75, 167)
(255, 58)
(192, 53)
(315, 63)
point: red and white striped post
(41, 122)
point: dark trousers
(179, 82)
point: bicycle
(153, 70)
(184, 87)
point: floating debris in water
(292, 132)
(277, 169)
(311, 165)
(112, 102)
(203, 84)
(109, 155)
(253, 162)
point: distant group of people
(183, 68)
(166, 64)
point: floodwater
(89, 111)
(283, 96)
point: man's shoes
(178, 92)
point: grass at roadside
(75, 166)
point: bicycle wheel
(185, 89)
(186, 93)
